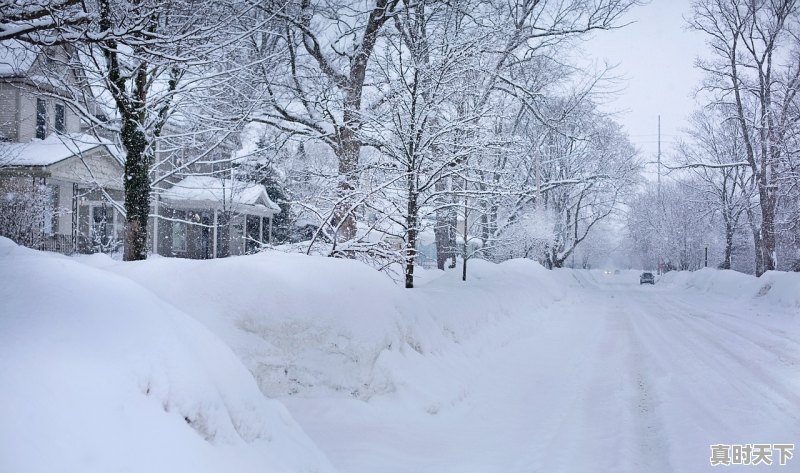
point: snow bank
(307, 325)
(773, 288)
(164, 364)
(98, 374)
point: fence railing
(57, 243)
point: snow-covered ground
(157, 365)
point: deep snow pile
(772, 288)
(170, 364)
(98, 374)
(157, 365)
(313, 325)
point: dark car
(647, 278)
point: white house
(45, 149)
(82, 177)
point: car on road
(647, 278)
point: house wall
(18, 112)
(199, 233)
(199, 238)
(26, 114)
(8, 112)
(97, 166)
(237, 235)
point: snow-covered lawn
(278, 362)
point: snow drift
(98, 374)
(772, 288)
(169, 364)
(313, 325)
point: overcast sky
(656, 57)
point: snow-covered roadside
(312, 326)
(109, 369)
(772, 299)
(98, 375)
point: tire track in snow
(710, 391)
(765, 381)
(646, 438)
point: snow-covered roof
(52, 149)
(16, 58)
(221, 194)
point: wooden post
(261, 229)
(214, 250)
(155, 225)
(270, 230)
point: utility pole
(659, 159)
(658, 195)
(466, 247)
(538, 165)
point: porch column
(270, 229)
(155, 225)
(75, 218)
(214, 252)
(261, 229)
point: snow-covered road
(616, 377)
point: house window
(104, 235)
(60, 118)
(178, 237)
(51, 212)
(254, 229)
(41, 119)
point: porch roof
(208, 192)
(53, 149)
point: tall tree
(755, 68)
(716, 156)
(131, 67)
(322, 91)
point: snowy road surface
(617, 377)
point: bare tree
(716, 157)
(42, 21)
(324, 84)
(415, 128)
(135, 65)
(755, 70)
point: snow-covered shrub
(23, 206)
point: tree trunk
(348, 151)
(137, 191)
(726, 264)
(411, 242)
(754, 228)
(767, 231)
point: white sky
(655, 57)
